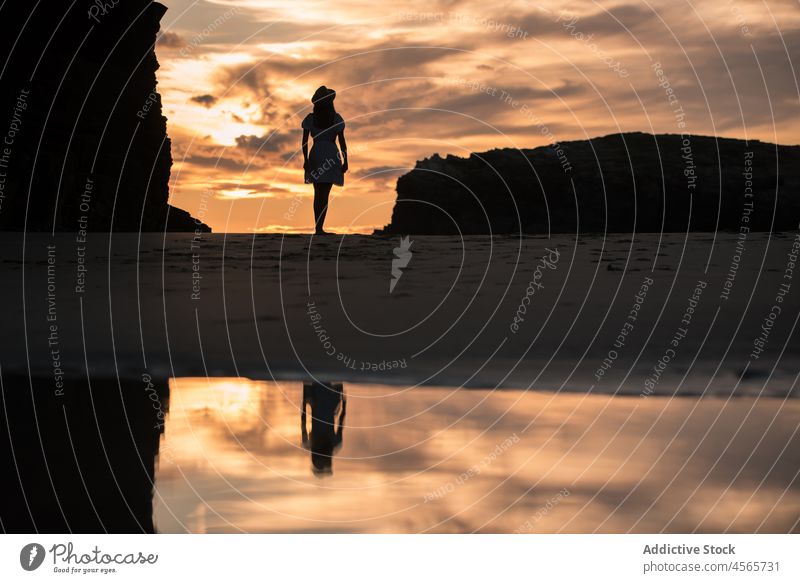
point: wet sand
(619, 314)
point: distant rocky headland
(83, 142)
(619, 183)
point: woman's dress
(324, 162)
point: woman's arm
(339, 434)
(342, 413)
(303, 429)
(343, 146)
(305, 148)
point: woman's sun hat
(322, 94)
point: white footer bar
(400, 558)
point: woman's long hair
(324, 113)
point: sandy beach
(654, 314)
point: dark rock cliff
(622, 182)
(83, 143)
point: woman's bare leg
(321, 193)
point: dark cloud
(219, 162)
(378, 171)
(498, 97)
(535, 22)
(618, 20)
(720, 87)
(271, 142)
(368, 63)
(205, 100)
(170, 40)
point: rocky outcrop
(617, 183)
(84, 142)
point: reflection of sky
(236, 77)
(232, 460)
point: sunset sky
(448, 77)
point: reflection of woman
(323, 167)
(325, 439)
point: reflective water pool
(235, 457)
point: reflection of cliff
(80, 458)
(621, 182)
(86, 143)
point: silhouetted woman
(325, 400)
(323, 167)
